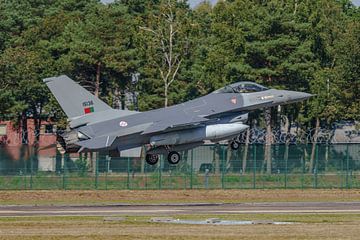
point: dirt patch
(173, 196)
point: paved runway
(177, 209)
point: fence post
(316, 166)
(240, 168)
(23, 176)
(145, 175)
(191, 168)
(97, 170)
(222, 167)
(206, 176)
(107, 171)
(303, 167)
(31, 171)
(1, 159)
(160, 177)
(106, 177)
(342, 173)
(64, 170)
(347, 166)
(254, 167)
(286, 169)
(1, 187)
(128, 173)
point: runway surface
(181, 209)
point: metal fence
(205, 167)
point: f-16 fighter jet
(220, 115)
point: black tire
(174, 157)
(152, 159)
(234, 145)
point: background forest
(168, 53)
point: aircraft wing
(173, 125)
(244, 109)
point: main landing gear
(152, 159)
(173, 157)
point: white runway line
(290, 211)
(84, 211)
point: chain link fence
(206, 167)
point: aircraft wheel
(152, 159)
(174, 157)
(234, 145)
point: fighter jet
(218, 116)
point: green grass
(176, 180)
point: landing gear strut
(152, 159)
(174, 157)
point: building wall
(11, 142)
(14, 135)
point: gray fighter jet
(220, 115)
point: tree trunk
(166, 95)
(24, 132)
(97, 82)
(296, 7)
(315, 137)
(36, 130)
(117, 100)
(37, 125)
(122, 100)
(268, 141)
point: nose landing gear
(234, 145)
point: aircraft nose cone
(303, 95)
(298, 96)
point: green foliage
(311, 46)
(82, 166)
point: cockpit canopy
(242, 87)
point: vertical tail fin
(75, 100)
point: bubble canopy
(242, 87)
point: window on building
(47, 129)
(2, 129)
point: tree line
(177, 53)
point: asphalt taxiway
(180, 209)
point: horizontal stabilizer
(97, 143)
